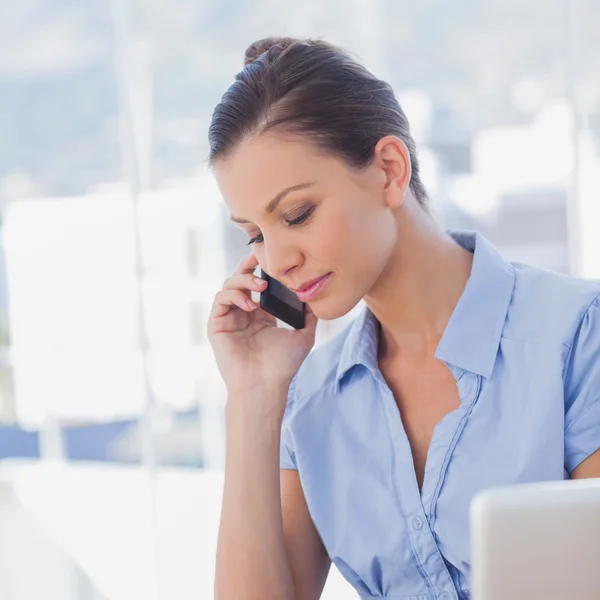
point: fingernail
(259, 281)
(250, 304)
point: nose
(280, 258)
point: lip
(311, 289)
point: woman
(463, 372)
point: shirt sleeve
(287, 456)
(582, 391)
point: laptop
(537, 541)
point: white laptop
(537, 541)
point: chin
(328, 309)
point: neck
(417, 292)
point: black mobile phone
(282, 303)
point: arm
(582, 398)
(308, 558)
(268, 547)
(589, 468)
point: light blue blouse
(524, 347)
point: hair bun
(261, 46)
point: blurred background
(113, 241)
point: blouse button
(418, 524)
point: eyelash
(293, 222)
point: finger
(227, 299)
(247, 282)
(246, 265)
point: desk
(133, 537)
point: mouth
(309, 290)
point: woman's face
(309, 215)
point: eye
(303, 217)
(257, 239)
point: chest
(358, 478)
(424, 396)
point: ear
(392, 156)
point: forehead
(264, 165)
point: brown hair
(314, 89)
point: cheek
(368, 238)
(347, 236)
(333, 237)
(354, 230)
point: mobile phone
(282, 303)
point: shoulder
(547, 306)
(319, 371)
(315, 380)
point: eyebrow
(270, 208)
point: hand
(251, 351)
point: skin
(367, 229)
